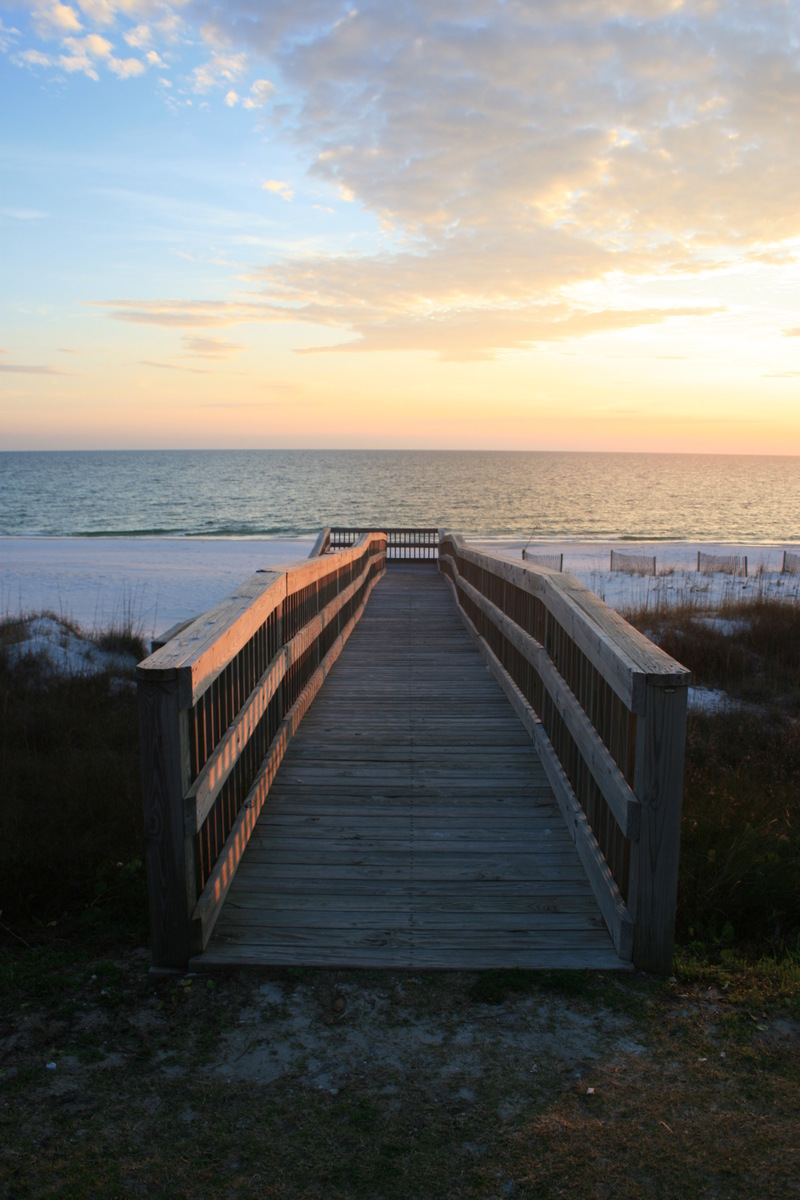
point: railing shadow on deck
(605, 708)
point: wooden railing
(606, 710)
(218, 704)
(409, 544)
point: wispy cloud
(167, 366)
(23, 214)
(182, 314)
(211, 347)
(26, 369)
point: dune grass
(71, 819)
(739, 887)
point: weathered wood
(609, 778)
(407, 544)
(654, 858)
(322, 544)
(656, 691)
(554, 562)
(384, 805)
(725, 564)
(625, 657)
(633, 564)
(202, 651)
(209, 783)
(210, 903)
(168, 852)
(168, 634)
(607, 894)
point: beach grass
(71, 820)
(739, 887)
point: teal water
(289, 493)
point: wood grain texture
(625, 657)
(168, 852)
(410, 824)
(653, 885)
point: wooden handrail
(606, 709)
(218, 705)
(322, 544)
(406, 543)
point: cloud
(792, 332)
(279, 188)
(25, 369)
(55, 19)
(82, 55)
(183, 314)
(510, 153)
(211, 347)
(34, 58)
(166, 366)
(139, 38)
(522, 149)
(9, 36)
(101, 12)
(23, 214)
(218, 70)
(260, 93)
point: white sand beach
(155, 582)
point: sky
(558, 224)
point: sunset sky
(565, 224)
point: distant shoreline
(155, 582)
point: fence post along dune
(606, 710)
(218, 704)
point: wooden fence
(555, 562)
(218, 705)
(633, 564)
(606, 710)
(725, 564)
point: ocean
(240, 494)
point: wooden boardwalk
(410, 824)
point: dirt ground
(337, 1084)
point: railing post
(169, 853)
(658, 784)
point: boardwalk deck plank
(410, 824)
